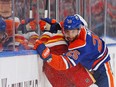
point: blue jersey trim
(17, 53)
(112, 44)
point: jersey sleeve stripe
(100, 60)
(103, 52)
(68, 61)
(72, 61)
(56, 43)
(109, 74)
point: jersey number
(96, 40)
(73, 54)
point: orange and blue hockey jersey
(65, 78)
(88, 49)
(67, 69)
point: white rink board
(22, 71)
(26, 70)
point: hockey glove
(42, 50)
(54, 25)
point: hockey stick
(30, 12)
(46, 9)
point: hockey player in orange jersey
(84, 48)
(54, 39)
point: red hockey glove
(42, 50)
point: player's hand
(49, 24)
(42, 50)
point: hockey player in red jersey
(85, 48)
(53, 39)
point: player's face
(70, 35)
(5, 8)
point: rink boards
(24, 69)
(21, 69)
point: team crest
(69, 21)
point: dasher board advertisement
(21, 70)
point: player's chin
(69, 39)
